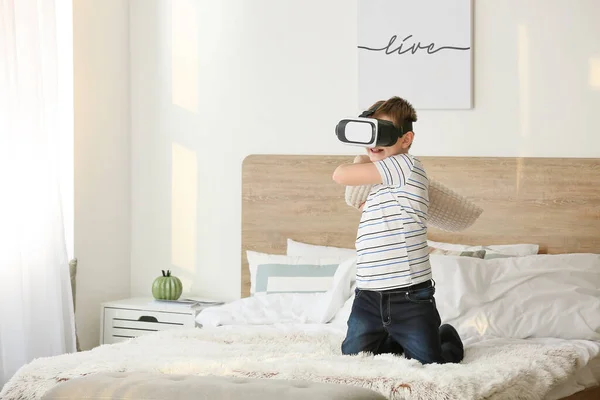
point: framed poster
(419, 50)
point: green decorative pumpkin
(167, 287)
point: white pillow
(341, 290)
(274, 273)
(295, 248)
(342, 315)
(312, 250)
(289, 307)
(492, 251)
(555, 296)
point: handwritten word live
(413, 49)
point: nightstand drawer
(122, 324)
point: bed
(292, 212)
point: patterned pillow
(450, 211)
(461, 253)
(272, 273)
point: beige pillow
(448, 210)
(355, 196)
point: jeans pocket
(357, 293)
(424, 295)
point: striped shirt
(391, 241)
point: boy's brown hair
(398, 109)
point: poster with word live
(419, 50)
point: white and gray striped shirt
(391, 241)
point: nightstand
(129, 318)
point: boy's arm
(362, 172)
(391, 171)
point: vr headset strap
(406, 126)
(369, 112)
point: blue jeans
(401, 321)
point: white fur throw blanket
(517, 370)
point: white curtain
(36, 309)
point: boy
(394, 310)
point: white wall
(102, 159)
(235, 77)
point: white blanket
(492, 369)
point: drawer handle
(146, 318)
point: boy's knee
(427, 358)
(347, 350)
(350, 349)
(352, 346)
(425, 349)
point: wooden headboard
(553, 202)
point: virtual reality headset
(370, 132)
